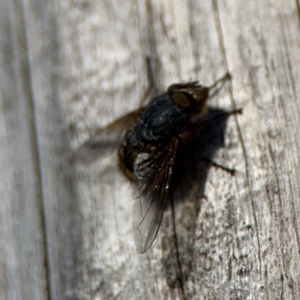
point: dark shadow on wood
(189, 179)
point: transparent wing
(106, 138)
(152, 178)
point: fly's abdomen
(129, 150)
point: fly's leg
(232, 171)
(217, 86)
(220, 115)
(194, 84)
(223, 79)
(237, 111)
(152, 82)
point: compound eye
(181, 99)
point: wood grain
(70, 67)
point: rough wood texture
(68, 67)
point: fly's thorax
(160, 121)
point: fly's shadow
(188, 185)
(197, 157)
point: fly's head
(191, 97)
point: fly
(149, 141)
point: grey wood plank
(229, 237)
(62, 216)
(264, 51)
(224, 245)
(236, 237)
(22, 251)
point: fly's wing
(152, 179)
(106, 138)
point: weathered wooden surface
(68, 67)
